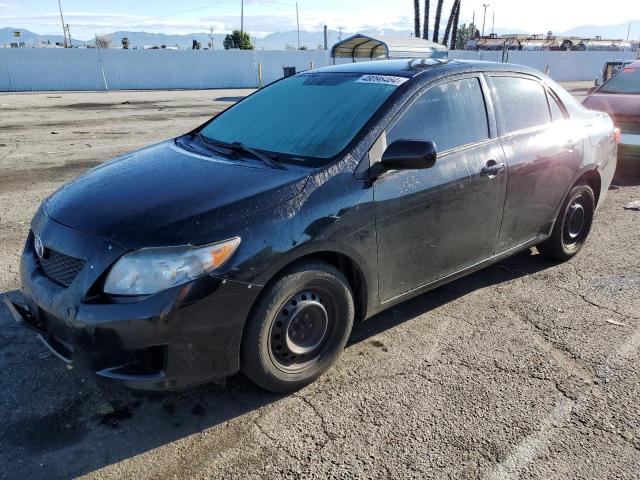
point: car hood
(614, 104)
(165, 195)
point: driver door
(435, 222)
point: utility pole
(64, 30)
(340, 34)
(484, 18)
(493, 23)
(326, 39)
(211, 38)
(242, 17)
(298, 22)
(69, 36)
(628, 31)
(473, 19)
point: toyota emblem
(37, 244)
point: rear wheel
(298, 328)
(572, 226)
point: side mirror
(592, 90)
(409, 155)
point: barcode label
(382, 80)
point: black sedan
(254, 242)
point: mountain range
(288, 39)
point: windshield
(311, 115)
(626, 81)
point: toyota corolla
(255, 241)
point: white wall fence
(33, 69)
(563, 66)
(40, 69)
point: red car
(620, 98)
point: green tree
(464, 34)
(239, 40)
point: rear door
(434, 222)
(542, 153)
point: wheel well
(592, 178)
(349, 269)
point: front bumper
(180, 337)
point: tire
(298, 327)
(572, 225)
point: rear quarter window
(556, 109)
(521, 103)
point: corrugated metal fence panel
(45, 69)
(273, 61)
(563, 66)
(79, 69)
(158, 69)
(33, 69)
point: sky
(88, 17)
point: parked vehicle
(620, 98)
(612, 67)
(255, 241)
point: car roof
(427, 67)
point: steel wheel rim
(301, 329)
(575, 223)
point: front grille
(59, 267)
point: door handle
(492, 169)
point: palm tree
(416, 18)
(425, 29)
(454, 7)
(436, 25)
(454, 34)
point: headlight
(151, 270)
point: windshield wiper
(215, 146)
(230, 149)
(258, 154)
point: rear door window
(451, 115)
(521, 103)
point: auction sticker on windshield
(382, 80)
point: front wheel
(572, 226)
(298, 328)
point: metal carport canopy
(380, 46)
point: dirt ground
(528, 369)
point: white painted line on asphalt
(532, 445)
(527, 450)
